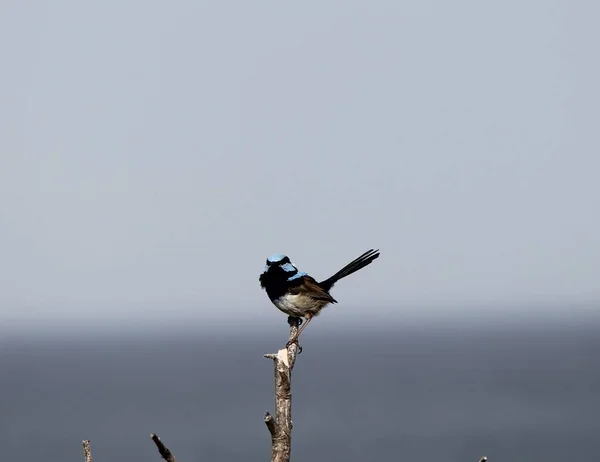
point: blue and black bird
(299, 295)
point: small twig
(270, 421)
(87, 450)
(162, 449)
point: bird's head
(278, 269)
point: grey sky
(154, 153)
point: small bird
(299, 295)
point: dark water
(414, 395)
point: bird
(298, 294)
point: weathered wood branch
(280, 426)
(162, 449)
(87, 450)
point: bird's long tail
(362, 261)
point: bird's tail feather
(362, 261)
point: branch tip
(270, 422)
(87, 450)
(162, 449)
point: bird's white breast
(292, 305)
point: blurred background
(153, 155)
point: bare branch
(162, 449)
(281, 426)
(87, 450)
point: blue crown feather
(276, 257)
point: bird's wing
(306, 285)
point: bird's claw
(292, 319)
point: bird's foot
(292, 342)
(294, 319)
